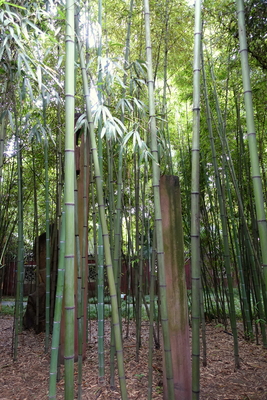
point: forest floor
(27, 378)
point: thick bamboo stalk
(69, 203)
(251, 132)
(78, 292)
(57, 314)
(3, 123)
(47, 239)
(195, 210)
(20, 264)
(164, 122)
(36, 235)
(141, 263)
(151, 317)
(100, 246)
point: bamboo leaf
(35, 134)
(24, 29)
(11, 121)
(103, 131)
(8, 51)
(11, 32)
(140, 105)
(39, 76)
(118, 121)
(23, 91)
(120, 104)
(81, 121)
(60, 59)
(57, 30)
(18, 42)
(129, 105)
(37, 30)
(125, 139)
(139, 140)
(19, 64)
(28, 84)
(134, 140)
(124, 103)
(11, 4)
(28, 68)
(51, 72)
(120, 81)
(1, 51)
(17, 27)
(50, 135)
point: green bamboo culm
(79, 292)
(20, 265)
(82, 266)
(251, 133)
(36, 234)
(195, 209)
(3, 123)
(69, 203)
(118, 214)
(81, 229)
(137, 247)
(110, 275)
(47, 237)
(57, 314)
(100, 245)
(158, 219)
(151, 317)
(141, 262)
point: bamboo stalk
(57, 314)
(69, 203)
(195, 210)
(158, 219)
(251, 132)
(47, 238)
(20, 264)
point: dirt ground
(27, 378)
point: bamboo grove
(99, 102)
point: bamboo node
(69, 357)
